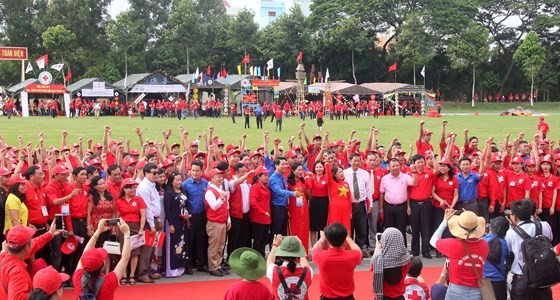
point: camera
(112, 222)
(378, 236)
(507, 213)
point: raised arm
(421, 131)
(302, 126)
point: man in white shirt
(147, 191)
(521, 216)
(215, 200)
(239, 206)
(361, 188)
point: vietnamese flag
(393, 67)
(246, 59)
(208, 70)
(300, 57)
(68, 75)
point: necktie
(356, 187)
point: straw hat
(247, 263)
(467, 226)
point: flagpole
(396, 95)
(22, 70)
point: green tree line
(466, 46)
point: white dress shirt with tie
(364, 183)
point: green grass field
(538, 108)
(406, 129)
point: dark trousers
(247, 125)
(259, 121)
(500, 289)
(239, 233)
(233, 114)
(555, 224)
(279, 219)
(545, 216)
(396, 216)
(70, 261)
(260, 234)
(420, 213)
(43, 252)
(278, 125)
(483, 205)
(198, 239)
(469, 205)
(520, 291)
(359, 223)
(56, 254)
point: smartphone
(507, 213)
(58, 221)
(378, 236)
(112, 222)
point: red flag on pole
(246, 59)
(300, 57)
(393, 67)
(209, 70)
(224, 72)
(42, 61)
(68, 75)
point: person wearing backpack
(290, 280)
(528, 236)
(494, 268)
(90, 280)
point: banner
(98, 85)
(158, 88)
(45, 88)
(139, 98)
(13, 53)
(67, 104)
(262, 83)
(24, 104)
(98, 93)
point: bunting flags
(278, 71)
(305, 81)
(239, 69)
(251, 71)
(393, 67)
(29, 68)
(57, 67)
(68, 75)
(259, 71)
(300, 57)
(246, 59)
(423, 72)
(270, 64)
(327, 76)
(42, 61)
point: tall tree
(242, 35)
(59, 42)
(531, 56)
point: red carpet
(215, 289)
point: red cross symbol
(292, 288)
(414, 296)
(45, 78)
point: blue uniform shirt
(468, 186)
(195, 194)
(496, 272)
(279, 193)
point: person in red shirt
(423, 142)
(543, 127)
(390, 262)
(416, 287)
(53, 107)
(471, 144)
(419, 198)
(250, 266)
(445, 193)
(36, 202)
(94, 262)
(278, 115)
(115, 179)
(518, 183)
(259, 213)
(543, 207)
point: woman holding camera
(132, 209)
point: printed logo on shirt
(323, 182)
(134, 204)
(451, 183)
(520, 180)
(550, 183)
(535, 184)
(500, 178)
(426, 176)
(292, 282)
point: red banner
(13, 53)
(45, 88)
(258, 82)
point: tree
(126, 34)
(470, 49)
(531, 56)
(349, 35)
(59, 41)
(242, 34)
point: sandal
(123, 281)
(132, 281)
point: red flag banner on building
(393, 67)
(68, 75)
(246, 59)
(300, 57)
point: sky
(118, 6)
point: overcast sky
(118, 6)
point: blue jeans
(461, 292)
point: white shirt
(147, 191)
(245, 190)
(514, 243)
(364, 182)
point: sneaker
(224, 271)
(225, 266)
(217, 273)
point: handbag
(484, 284)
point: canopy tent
(210, 84)
(93, 87)
(155, 82)
(287, 87)
(391, 87)
(20, 87)
(233, 81)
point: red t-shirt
(460, 266)
(130, 211)
(445, 189)
(423, 190)
(536, 189)
(36, 202)
(414, 289)
(278, 114)
(397, 290)
(113, 188)
(337, 270)
(78, 204)
(291, 280)
(422, 147)
(516, 184)
(319, 186)
(107, 290)
(248, 290)
(550, 186)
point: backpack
(541, 267)
(91, 296)
(291, 294)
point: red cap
(19, 235)
(5, 172)
(254, 153)
(547, 159)
(17, 179)
(93, 259)
(260, 147)
(200, 153)
(75, 145)
(456, 153)
(399, 152)
(60, 169)
(194, 143)
(357, 142)
(134, 152)
(541, 118)
(261, 170)
(543, 142)
(426, 132)
(69, 245)
(332, 144)
(517, 160)
(168, 162)
(219, 142)
(317, 136)
(112, 143)
(129, 181)
(496, 157)
(541, 152)
(97, 145)
(141, 164)
(175, 145)
(65, 149)
(214, 172)
(230, 147)
(130, 161)
(476, 153)
(340, 143)
(291, 154)
(557, 156)
(233, 151)
(95, 162)
(446, 161)
(531, 162)
(152, 150)
(49, 280)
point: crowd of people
(187, 205)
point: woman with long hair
(131, 209)
(390, 263)
(47, 284)
(445, 193)
(340, 201)
(550, 194)
(494, 268)
(100, 206)
(259, 214)
(297, 206)
(92, 277)
(319, 202)
(177, 248)
(466, 251)
(16, 212)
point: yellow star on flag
(343, 191)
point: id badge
(299, 201)
(65, 210)
(44, 211)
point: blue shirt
(468, 186)
(258, 111)
(490, 270)
(195, 194)
(278, 186)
